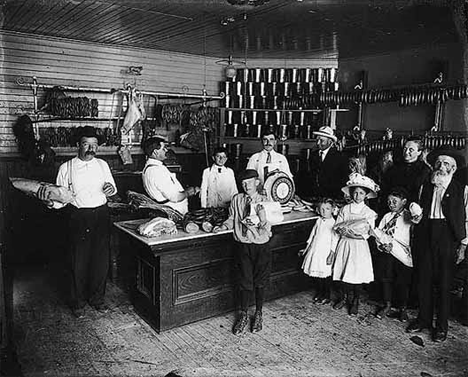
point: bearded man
(439, 240)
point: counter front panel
(184, 278)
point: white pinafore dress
(353, 262)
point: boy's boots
(384, 311)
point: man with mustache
(439, 239)
(328, 166)
(91, 182)
(268, 160)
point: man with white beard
(439, 240)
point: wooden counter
(183, 278)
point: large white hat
(326, 131)
(358, 180)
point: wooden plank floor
(299, 339)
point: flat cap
(247, 174)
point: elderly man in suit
(328, 166)
(439, 239)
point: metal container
(228, 88)
(308, 153)
(301, 118)
(254, 115)
(257, 75)
(281, 75)
(262, 89)
(229, 117)
(278, 117)
(259, 131)
(243, 74)
(227, 101)
(239, 88)
(333, 72)
(283, 131)
(269, 75)
(320, 75)
(283, 149)
(295, 75)
(235, 130)
(306, 74)
(308, 132)
(237, 150)
(249, 89)
(251, 102)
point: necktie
(321, 155)
(246, 214)
(389, 228)
(219, 170)
(268, 160)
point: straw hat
(358, 180)
(326, 131)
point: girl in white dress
(352, 261)
(319, 249)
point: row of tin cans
(283, 131)
(238, 88)
(272, 117)
(283, 75)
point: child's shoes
(384, 311)
(403, 315)
(354, 308)
(324, 301)
(241, 323)
(339, 304)
(257, 322)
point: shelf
(256, 139)
(282, 110)
(90, 119)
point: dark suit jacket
(329, 176)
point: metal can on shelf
(259, 130)
(308, 132)
(295, 75)
(283, 131)
(269, 75)
(237, 150)
(261, 89)
(227, 101)
(235, 130)
(238, 88)
(284, 149)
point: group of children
(338, 249)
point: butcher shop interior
(234, 187)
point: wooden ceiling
(278, 29)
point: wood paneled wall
(60, 62)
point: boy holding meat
(252, 255)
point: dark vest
(452, 206)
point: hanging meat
(135, 111)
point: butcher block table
(182, 278)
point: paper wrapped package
(359, 226)
(400, 251)
(273, 211)
(53, 192)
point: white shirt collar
(325, 152)
(153, 161)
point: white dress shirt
(160, 184)
(436, 206)
(86, 180)
(218, 187)
(323, 153)
(258, 162)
